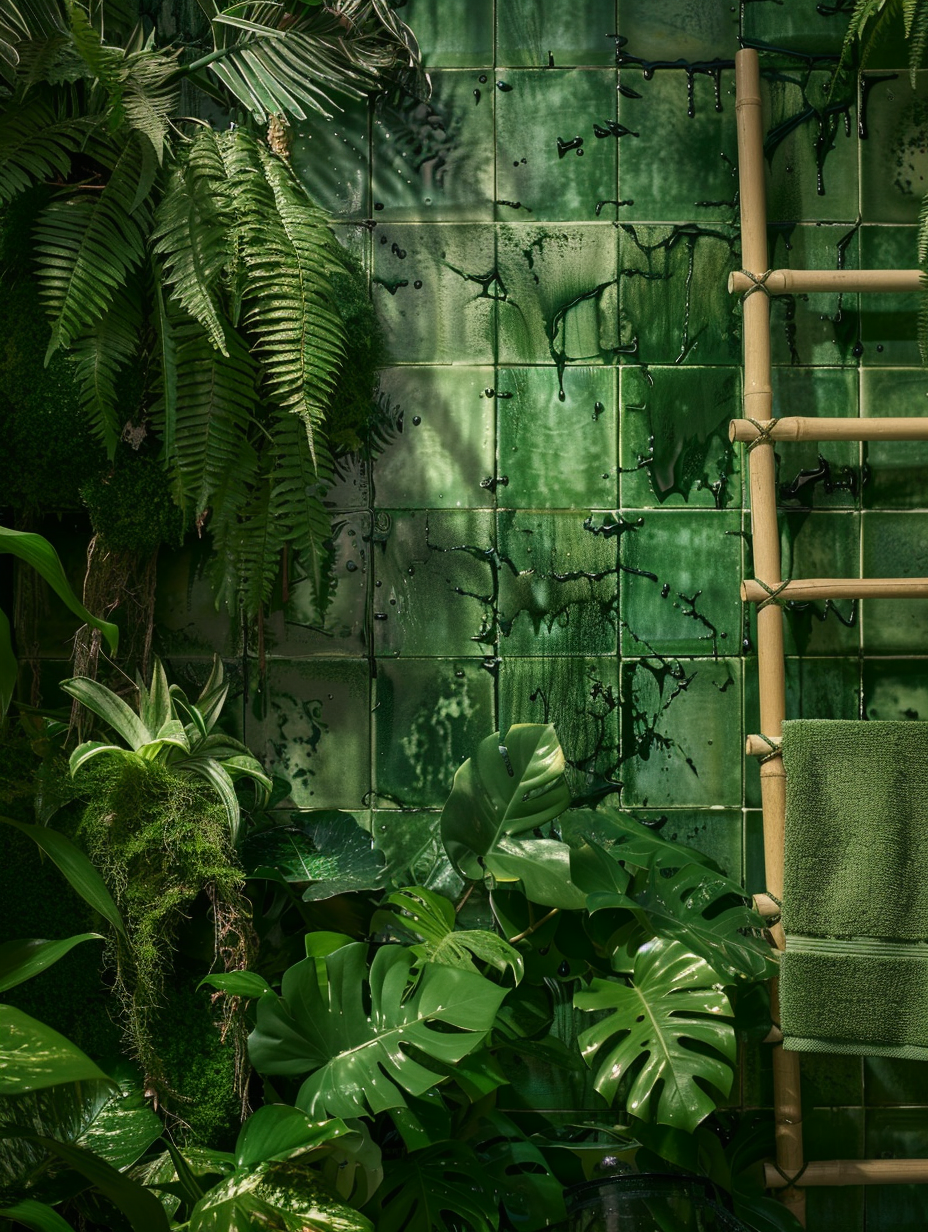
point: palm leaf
(89, 242)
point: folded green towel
(854, 977)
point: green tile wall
(559, 525)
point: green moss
(159, 840)
(354, 400)
(130, 504)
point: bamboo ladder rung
(799, 282)
(802, 590)
(801, 428)
(853, 1172)
(759, 746)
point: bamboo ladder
(760, 431)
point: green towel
(854, 977)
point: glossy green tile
(674, 305)
(820, 545)
(435, 290)
(332, 159)
(888, 323)
(894, 155)
(452, 36)
(434, 582)
(186, 619)
(680, 582)
(309, 721)
(888, 1081)
(715, 832)
(820, 329)
(430, 155)
(755, 880)
(895, 545)
(411, 840)
(443, 452)
(693, 30)
(351, 487)
(896, 1133)
(555, 144)
(344, 628)
(681, 733)
(687, 123)
(674, 446)
(558, 585)
(430, 715)
(896, 689)
(804, 26)
(815, 689)
(580, 696)
(811, 155)
(896, 471)
(559, 294)
(556, 453)
(817, 474)
(545, 33)
(834, 1133)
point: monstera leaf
(285, 1196)
(419, 913)
(708, 914)
(356, 1058)
(629, 841)
(673, 1004)
(442, 1188)
(506, 790)
(528, 1190)
(331, 852)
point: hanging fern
(193, 259)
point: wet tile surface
(545, 33)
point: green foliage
(329, 853)
(160, 841)
(33, 1055)
(441, 1187)
(194, 261)
(130, 505)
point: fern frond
(248, 552)
(288, 251)
(299, 484)
(21, 21)
(36, 144)
(917, 31)
(194, 233)
(213, 457)
(149, 95)
(100, 355)
(87, 244)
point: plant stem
(464, 897)
(534, 927)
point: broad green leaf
(531, 1194)
(155, 703)
(211, 770)
(277, 1131)
(285, 1196)
(628, 840)
(359, 1060)
(76, 868)
(21, 960)
(117, 1124)
(415, 855)
(109, 707)
(331, 852)
(40, 554)
(674, 1002)
(141, 1208)
(90, 749)
(708, 914)
(36, 1215)
(542, 866)
(503, 791)
(318, 944)
(159, 1173)
(239, 984)
(33, 1056)
(439, 1189)
(418, 913)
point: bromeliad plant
(185, 269)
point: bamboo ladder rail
(757, 284)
